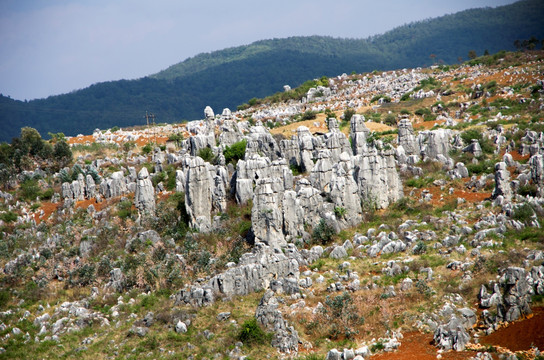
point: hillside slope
(230, 77)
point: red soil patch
(427, 125)
(418, 346)
(48, 208)
(520, 335)
(517, 156)
(86, 203)
(471, 196)
(81, 139)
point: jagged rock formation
(144, 198)
(267, 314)
(511, 296)
(198, 193)
(377, 178)
(358, 134)
(264, 267)
(502, 182)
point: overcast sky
(50, 47)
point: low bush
(252, 334)
(235, 152)
(323, 233)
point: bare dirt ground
(518, 336)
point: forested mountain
(229, 77)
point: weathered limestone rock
(311, 202)
(229, 133)
(208, 113)
(321, 173)
(536, 162)
(266, 215)
(293, 216)
(262, 268)
(260, 141)
(268, 315)
(180, 181)
(502, 182)
(90, 187)
(377, 178)
(517, 294)
(290, 151)
(474, 148)
(358, 133)
(226, 114)
(306, 146)
(144, 198)
(344, 192)
(452, 335)
(114, 186)
(434, 143)
(336, 142)
(406, 138)
(198, 193)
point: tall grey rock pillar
(144, 199)
(198, 193)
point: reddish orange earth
(520, 335)
(418, 346)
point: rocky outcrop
(511, 296)
(536, 162)
(114, 186)
(407, 139)
(229, 133)
(358, 134)
(198, 193)
(451, 336)
(433, 143)
(377, 178)
(144, 198)
(266, 214)
(261, 142)
(344, 192)
(265, 267)
(502, 182)
(269, 316)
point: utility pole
(149, 116)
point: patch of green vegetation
(235, 152)
(419, 182)
(252, 334)
(206, 154)
(323, 233)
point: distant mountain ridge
(229, 77)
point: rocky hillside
(384, 215)
(230, 77)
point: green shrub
(125, 209)
(323, 233)
(309, 115)
(235, 152)
(529, 189)
(390, 119)
(341, 316)
(8, 216)
(339, 211)
(206, 154)
(147, 148)
(348, 114)
(252, 334)
(523, 213)
(47, 194)
(29, 189)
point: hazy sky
(49, 47)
